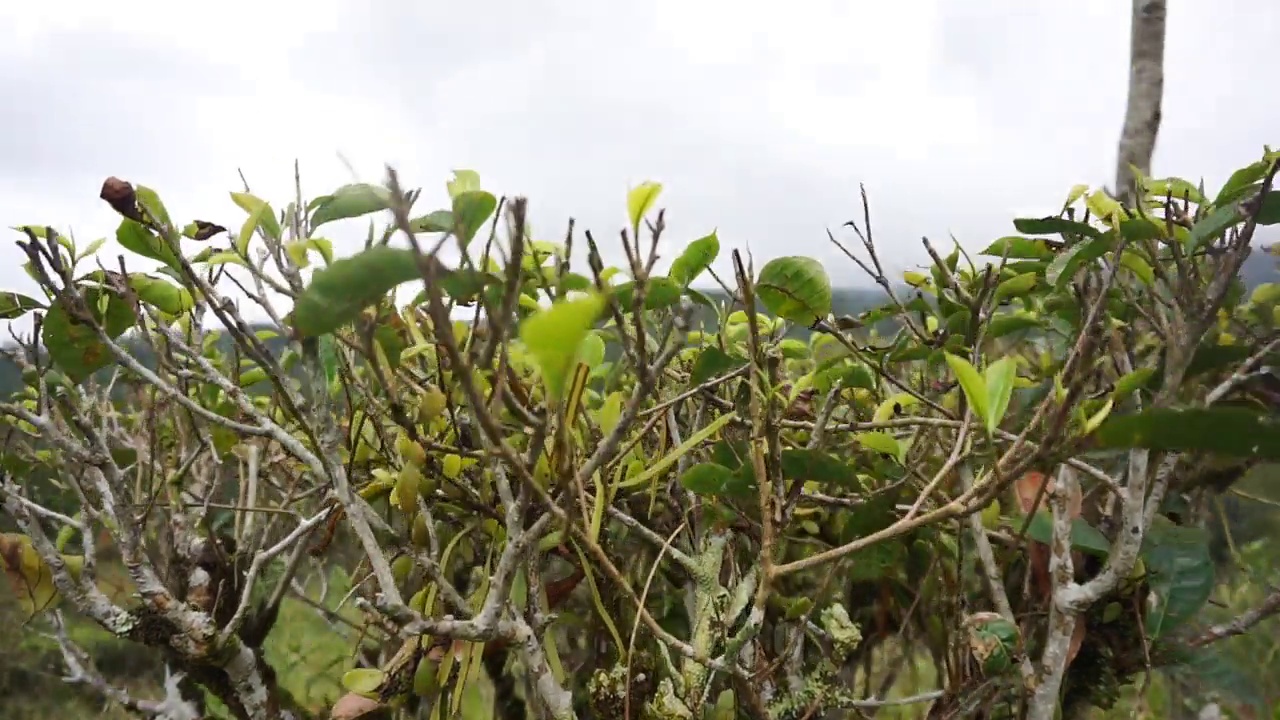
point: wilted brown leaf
(352, 706)
(1077, 639)
(120, 195)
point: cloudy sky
(760, 118)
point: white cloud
(760, 118)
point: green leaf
(1064, 266)
(15, 305)
(74, 346)
(553, 335)
(161, 294)
(1077, 192)
(91, 248)
(1177, 187)
(391, 342)
(793, 349)
(1141, 229)
(298, 250)
(1098, 417)
(971, 382)
(1084, 537)
(915, 279)
(610, 412)
(1129, 382)
(339, 292)
(1212, 226)
(1002, 325)
(575, 282)
(1016, 286)
(39, 231)
(700, 298)
(1055, 226)
(715, 481)
(999, 378)
(137, 238)
(695, 259)
(795, 288)
(470, 211)
(803, 464)
(639, 201)
(463, 285)
(691, 442)
(251, 377)
(881, 442)
(463, 181)
(440, 221)
(252, 204)
(877, 563)
(1018, 247)
(591, 351)
(150, 202)
(1181, 573)
(225, 258)
(1241, 181)
(660, 293)
(250, 226)
(1228, 430)
(1211, 357)
(351, 201)
(1269, 209)
(1139, 267)
(364, 681)
(328, 352)
(1265, 294)
(712, 363)
(1104, 207)
(874, 515)
(851, 374)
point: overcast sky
(760, 118)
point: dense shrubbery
(560, 480)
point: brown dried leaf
(1027, 489)
(122, 198)
(205, 230)
(1077, 639)
(352, 706)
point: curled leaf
(795, 288)
(695, 259)
(339, 292)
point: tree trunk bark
(1146, 92)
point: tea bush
(611, 494)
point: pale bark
(1146, 92)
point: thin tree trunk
(1146, 91)
(1137, 145)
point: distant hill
(1261, 267)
